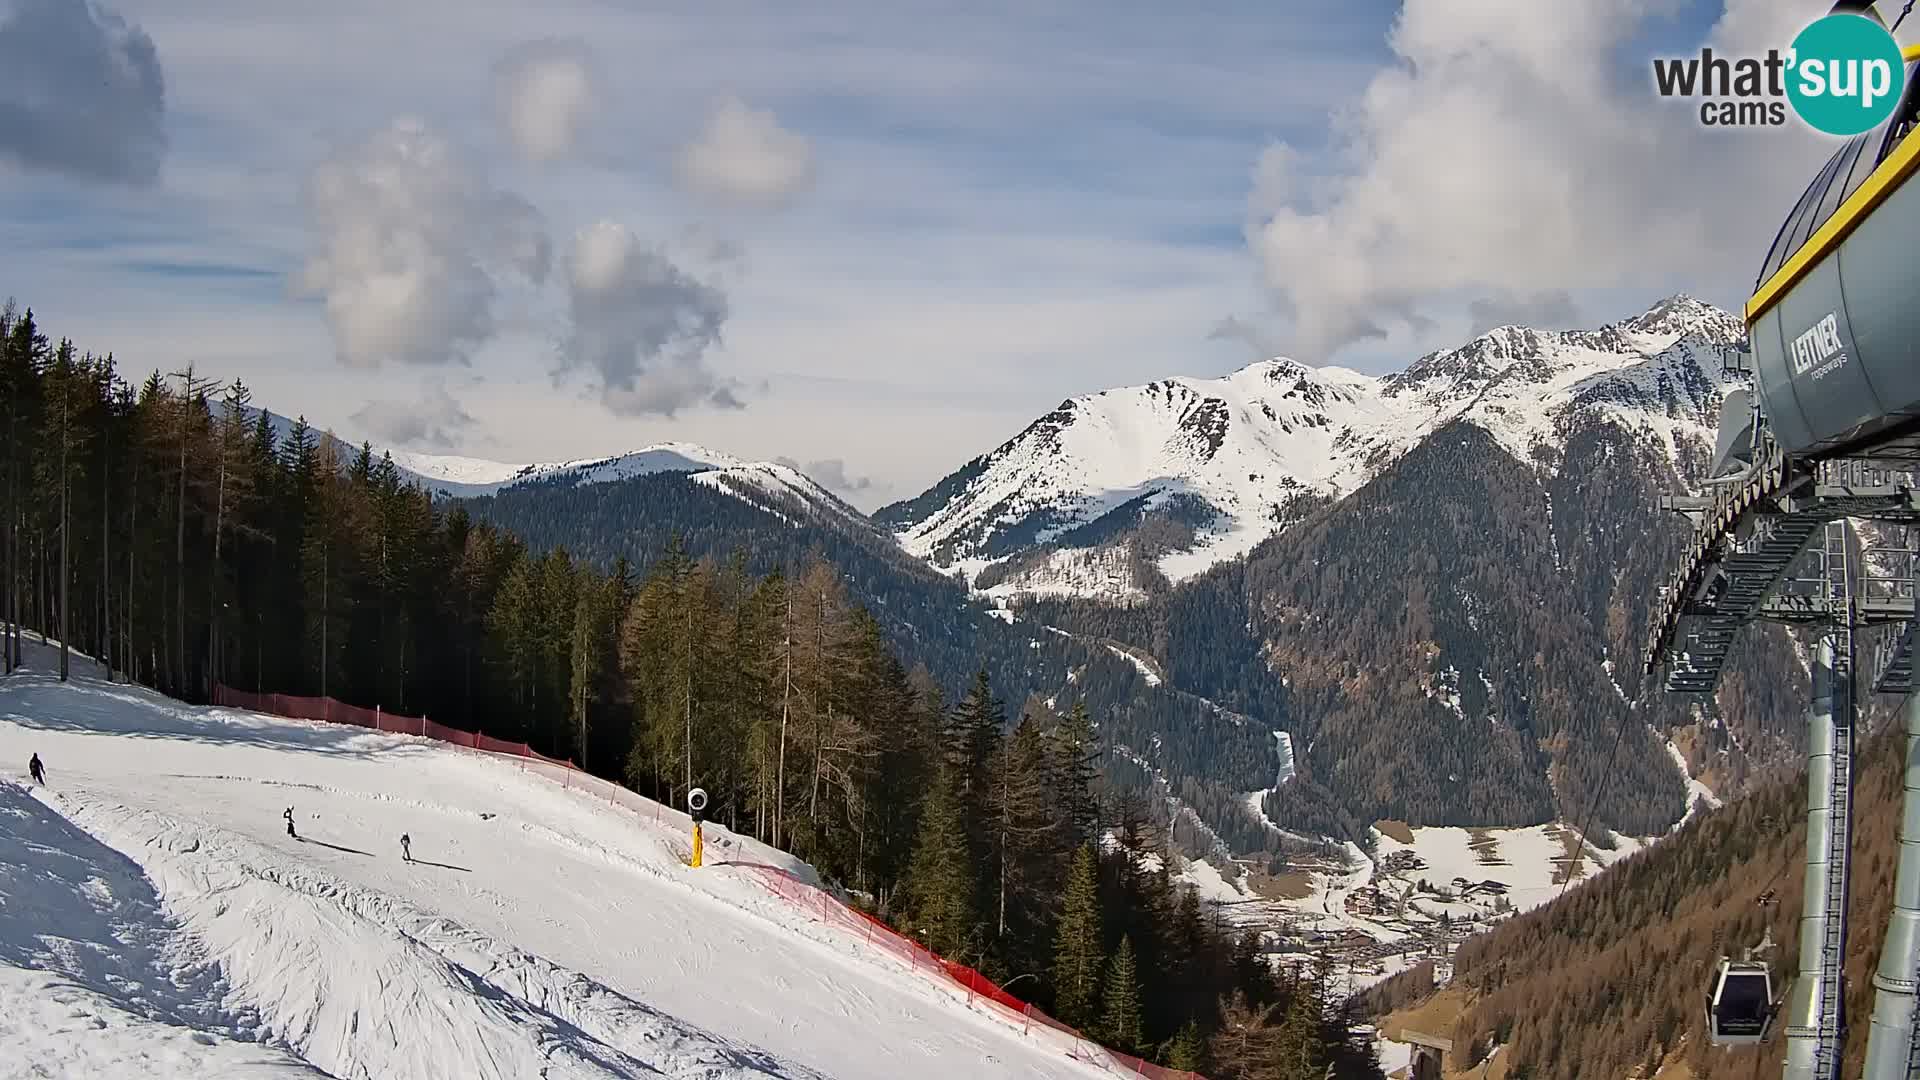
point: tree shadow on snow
(76, 907)
(85, 706)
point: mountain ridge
(1231, 453)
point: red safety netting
(980, 990)
(328, 710)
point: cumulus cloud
(546, 91)
(411, 243)
(832, 474)
(436, 422)
(1257, 340)
(745, 157)
(81, 93)
(642, 326)
(1504, 150)
(1551, 309)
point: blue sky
(537, 233)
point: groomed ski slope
(155, 920)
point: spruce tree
(1077, 952)
(940, 877)
(1188, 1049)
(1074, 757)
(1299, 1044)
(1120, 1000)
(1029, 853)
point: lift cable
(1902, 18)
(1594, 804)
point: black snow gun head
(697, 804)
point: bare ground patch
(1395, 830)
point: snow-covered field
(156, 920)
(1405, 899)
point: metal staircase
(1749, 538)
(1893, 661)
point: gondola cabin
(1740, 1006)
(1833, 324)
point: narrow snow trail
(539, 932)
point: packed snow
(1287, 768)
(1146, 670)
(459, 476)
(157, 920)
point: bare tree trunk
(65, 651)
(820, 730)
(326, 553)
(213, 578)
(180, 560)
(133, 546)
(106, 543)
(13, 504)
(1006, 825)
(686, 601)
(786, 698)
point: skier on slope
(37, 770)
(289, 816)
(406, 848)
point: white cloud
(81, 93)
(437, 421)
(546, 90)
(832, 474)
(643, 326)
(744, 156)
(1503, 152)
(1255, 338)
(409, 239)
(1546, 309)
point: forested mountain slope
(1456, 643)
(169, 531)
(1451, 643)
(1613, 976)
(1447, 633)
(1116, 494)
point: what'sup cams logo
(1843, 75)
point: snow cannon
(1833, 327)
(696, 809)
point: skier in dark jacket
(289, 816)
(38, 770)
(406, 848)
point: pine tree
(1120, 1000)
(1075, 755)
(941, 878)
(592, 626)
(1188, 1049)
(1246, 1045)
(1077, 953)
(234, 488)
(326, 571)
(63, 433)
(1300, 1047)
(1029, 849)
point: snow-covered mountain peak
(1221, 463)
(1681, 315)
(770, 485)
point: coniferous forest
(160, 524)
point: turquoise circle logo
(1846, 74)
